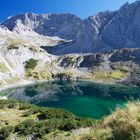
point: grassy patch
(116, 74)
(45, 75)
(108, 76)
(38, 75)
(28, 119)
(50, 123)
(124, 124)
(12, 80)
(3, 68)
(121, 67)
(100, 74)
(13, 120)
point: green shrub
(12, 104)
(31, 63)
(24, 106)
(6, 131)
(85, 122)
(64, 76)
(44, 127)
(69, 124)
(26, 127)
(54, 113)
(49, 120)
(13, 47)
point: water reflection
(83, 98)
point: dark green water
(85, 99)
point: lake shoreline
(21, 84)
(26, 83)
(73, 95)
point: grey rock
(102, 32)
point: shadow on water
(84, 98)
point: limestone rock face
(123, 29)
(102, 32)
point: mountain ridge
(104, 31)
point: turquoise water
(83, 98)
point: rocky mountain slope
(103, 47)
(104, 31)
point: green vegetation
(3, 67)
(6, 131)
(109, 76)
(26, 119)
(45, 75)
(12, 80)
(12, 46)
(51, 123)
(96, 74)
(31, 63)
(124, 124)
(121, 67)
(116, 74)
(33, 49)
(64, 76)
(41, 75)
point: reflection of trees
(97, 90)
(125, 92)
(49, 91)
(71, 88)
(55, 90)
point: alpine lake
(83, 98)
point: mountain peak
(38, 22)
(104, 31)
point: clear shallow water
(83, 98)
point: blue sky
(82, 8)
